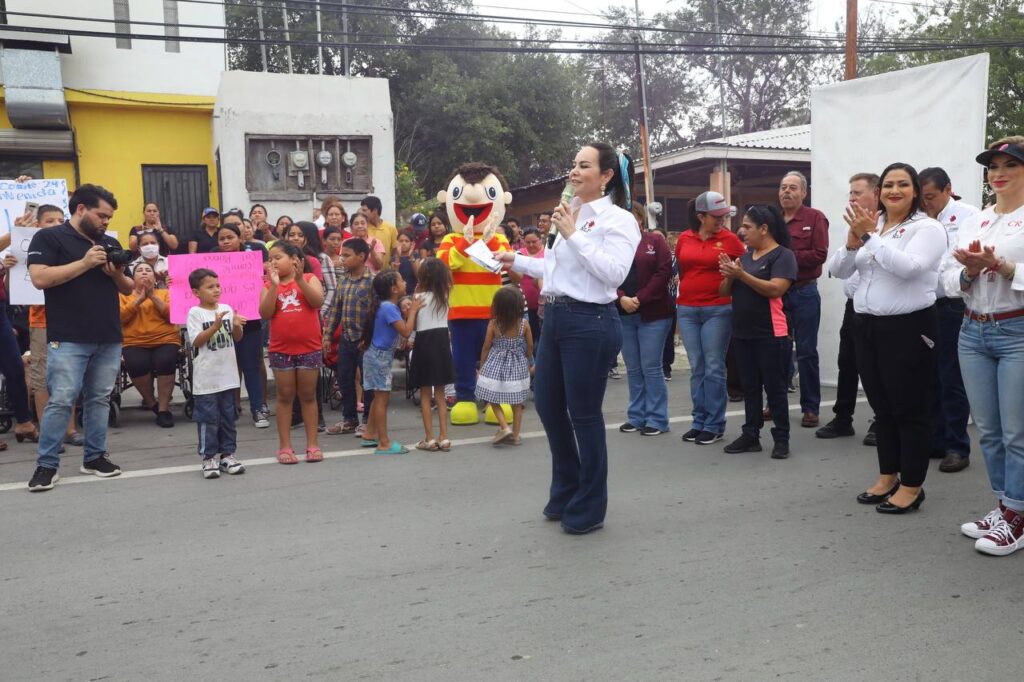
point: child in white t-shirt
(213, 328)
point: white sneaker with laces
(982, 527)
(261, 420)
(211, 467)
(230, 465)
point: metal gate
(182, 193)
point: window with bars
(122, 25)
(171, 26)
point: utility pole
(287, 37)
(644, 144)
(851, 39)
(344, 30)
(721, 181)
(263, 45)
(319, 42)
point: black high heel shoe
(871, 498)
(890, 508)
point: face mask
(150, 250)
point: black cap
(1009, 148)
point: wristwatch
(865, 237)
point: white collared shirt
(952, 217)
(991, 292)
(898, 270)
(590, 265)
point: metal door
(182, 193)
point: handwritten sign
(240, 275)
(14, 196)
(22, 291)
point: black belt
(551, 300)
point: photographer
(81, 270)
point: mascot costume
(475, 201)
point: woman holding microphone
(989, 271)
(897, 252)
(588, 259)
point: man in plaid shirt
(349, 310)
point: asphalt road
(439, 566)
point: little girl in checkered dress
(506, 363)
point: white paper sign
(15, 195)
(482, 256)
(22, 291)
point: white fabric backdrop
(926, 116)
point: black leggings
(158, 360)
(896, 360)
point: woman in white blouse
(989, 271)
(590, 257)
(897, 252)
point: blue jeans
(467, 342)
(804, 307)
(72, 368)
(992, 362)
(705, 331)
(215, 416)
(950, 407)
(642, 346)
(578, 342)
(249, 354)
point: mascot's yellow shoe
(489, 417)
(465, 413)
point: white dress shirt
(594, 261)
(898, 270)
(952, 217)
(991, 292)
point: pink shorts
(286, 362)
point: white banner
(15, 196)
(926, 116)
(22, 292)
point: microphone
(568, 194)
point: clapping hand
(860, 220)
(729, 268)
(239, 319)
(976, 258)
(467, 231)
(275, 279)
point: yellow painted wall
(117, 133)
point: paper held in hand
(482, 256)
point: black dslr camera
(117, 255)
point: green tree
(968, 21)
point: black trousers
(896, 359)
(846, 387)
(762, 365)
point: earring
(602, 188)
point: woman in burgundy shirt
(705, 316)
(645, 310)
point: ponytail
(619, 188)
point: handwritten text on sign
(240, 275)
(15, 195)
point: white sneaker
(261, 420)
(211, 467)
(982, 527)
(1006, 538)
(360, 431)
(230, 465)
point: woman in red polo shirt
(705, 317)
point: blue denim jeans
(249, 354)
(572, 373)
(950, 407)
(642, 346)
(804, 308)
(72, 368)
(215, 417)
(992, 362)
(705, 331)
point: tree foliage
(968, 21)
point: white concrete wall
(97, 63)
(283, 104)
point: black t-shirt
(85, 309)
(205, 241)
(754, 316)
(140, 230)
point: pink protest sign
(241, 280)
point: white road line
(336, 454)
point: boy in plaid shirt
(348, 310)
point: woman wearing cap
(897, 252)
(989, 271)
(591, 255)
(205, 238)
(704, 314)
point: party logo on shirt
(718, 245)
(588, 226)
(899, 233)
(289, 300)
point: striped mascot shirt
(474, 286)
